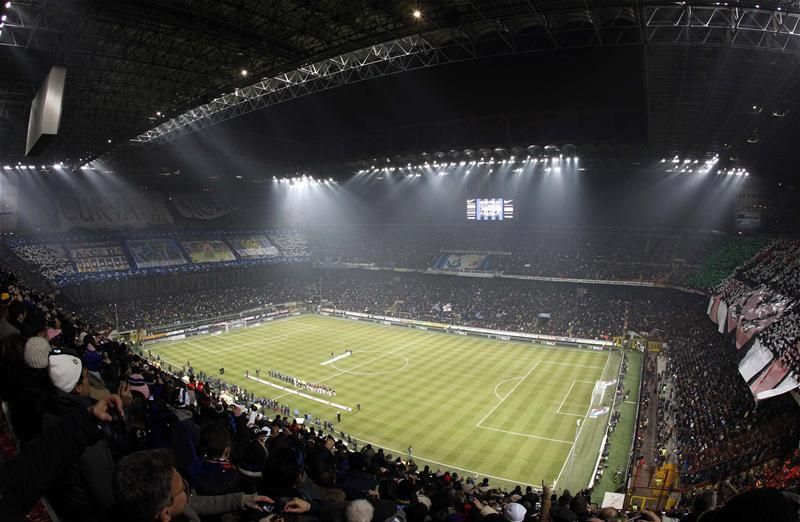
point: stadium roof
(718, 76)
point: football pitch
(518, 413)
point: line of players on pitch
(298, 383)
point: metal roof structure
(720, 76)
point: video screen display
(490, 209)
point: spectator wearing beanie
(84, 492)
(37, 351)
(137, 383)
(33, 391)
(514, 512)
(93, 361)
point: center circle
(405, 364)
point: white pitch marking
(558, 411)
(577, 435)
(524, 435)
(365, 363)
(342, 356)
(300, 394)
(576, 365)
(508, 394)
(503, 382)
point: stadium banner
(463, 262)
(200, 205)
(765, 375)
(761, 309)
(98, 257)
(95, 210)
(485, 332)
(208, 251)
(155, 253)
(253, 247)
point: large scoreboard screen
(490, 209)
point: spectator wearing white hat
(84, 492)
(514, 512)
(33, 389)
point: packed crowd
(110, 435)
(709, 424)
(722, 262)
(773, 275)
(51, 260)
(710, 411)
(586, 311)
(56, 366)
(571, 252)
(179, 308)
(303, 385)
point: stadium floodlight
(7, 167)
(243, 72)
(417, 14)
(8, 5)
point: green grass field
(504, 410)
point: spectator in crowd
(147, 487)
(84, 492)
(25, 478)
(214, 474)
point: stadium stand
(720, 433)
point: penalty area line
(506, 396)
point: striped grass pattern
(476, 406)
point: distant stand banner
(208, 251)
(253, 247)
(96, 210)
(201, 206)
(463, 262)
(155, 253)
(98, 257)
